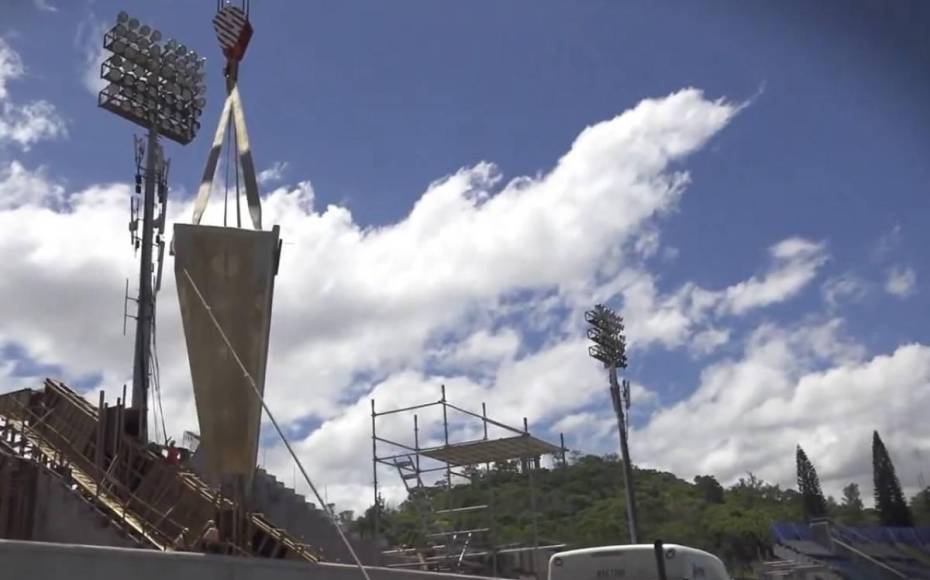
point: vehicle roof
(604, 550)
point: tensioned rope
(274, 422)
(156, 376)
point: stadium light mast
(159, 87)
(606, 331)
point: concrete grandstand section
(19, 559)
(289, 510)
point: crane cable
(232, 140)
(235, 133)
(228, 162)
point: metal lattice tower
(606, 332)
(158, 86)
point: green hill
(582, 504)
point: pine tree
(809, 485)
(889, 499)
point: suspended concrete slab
(234, 270)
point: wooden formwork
(165, 505)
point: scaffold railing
(445, 542)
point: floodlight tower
(606, 331)
(159, 87)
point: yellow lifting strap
(232, 113)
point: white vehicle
(636, 562)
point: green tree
(920, 507)
(809, 485)
(364, 525)
(889, 499)
(852, 497)
(851, 511)
(583, 505)
(710, 488)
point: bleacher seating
(910, 536)
(808, 547)
(791, 531)
(860, 553)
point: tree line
(582, 504)
(891, 507)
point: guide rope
(156, 381)
(327, 509)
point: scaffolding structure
(444, 544)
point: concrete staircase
(289, 510)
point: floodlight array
(153, 84)
(606, 331)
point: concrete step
(291, 510)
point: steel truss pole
(376, 516)
(625, 453)
(140, 374)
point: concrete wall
(20, 559)
(61, 515)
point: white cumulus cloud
(45, 6)
(11, 66)
(21, 187)
(28, 123)
(273, 174)
(88, 41)
(806, 384)
(842, 289)
(690, 312)
(796, 262)
(395, 311)
(901, 281)
(359, 310)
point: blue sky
(804, 211)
